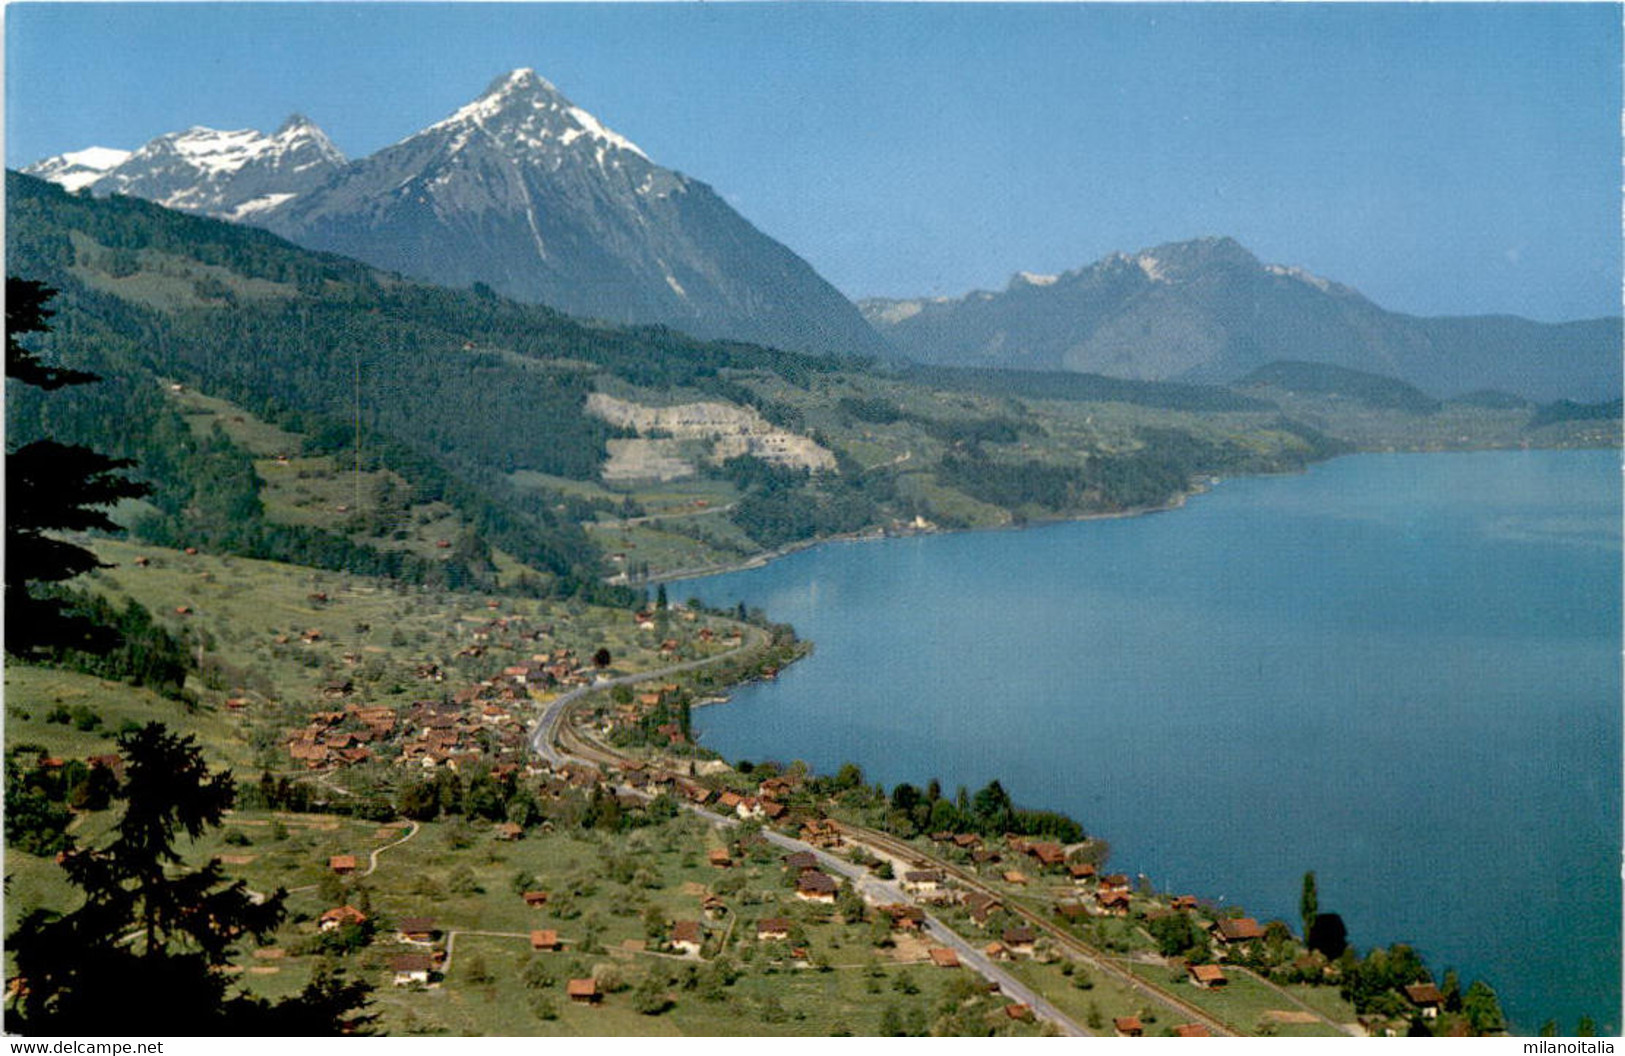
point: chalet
(1048, 854)
(420, 930)
(547, 939)
(774, 788)
(730, 801)
(982, 906)
(772, 929)
(342, 864)
(1192, 1030)
(1237, 929)
(582, 991)
(508, 830)
(1183, 902)
(1114, 882)
(1426, 997)
(1113, 903)
(772, 810)
(814, 886)
(1019, 940)
(1011, 876)
(535, 899)
(905, 917)
(336, 918)
(996, 952)
(943, 957)
(410, 968)
(923, 881)
(1207, 976)
(1081, 872)
(687, 937)
(801, 860)
(822, 832)
(966, 841)
(719, 857)
(1128, 1027)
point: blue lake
(1400, 671)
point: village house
(1207, 976)
(410, 968)
(1048, 854)
(1183, 903)
(535, 899)
(1012, 876)
(967, 841)
(1113, 903)
(1081, 872)
(772, 929)
(923, 881)
(905, 917)
(1232, 930)
(800, 860)
(582, 991)
(1427, 997)
(546, 939)
(943, 957)
(814, 886)
(687, 937)
(1019, 940)
(982, 906)
(822, 832)
(995, 951)
(336, 918)
(1128, 1027)
(419, 930)
(342, 864)
(508, 830)
(1024, 1013)
(1114, 882)
(1192, 1030)
(719, 857)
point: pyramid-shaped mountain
(533, 196)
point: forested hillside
(461, 418)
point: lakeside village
(1025, 890)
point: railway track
(573, 743)
(1082, 950)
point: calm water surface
(1402, 672)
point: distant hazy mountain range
(1208, 310)
(520, 190)
(533, 196)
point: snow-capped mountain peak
(522, 110)
(218, 172)
(78, 169)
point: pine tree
(51, 487)
(143, 949)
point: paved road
(544, 740)
(544, 734)
(887, 892)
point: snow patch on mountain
(78, 169)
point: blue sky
(1442, 158)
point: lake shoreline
(1529, 1001)
(872, 535)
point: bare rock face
(686, 433)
